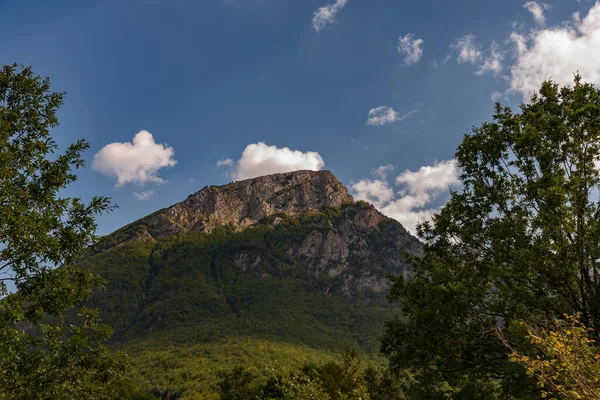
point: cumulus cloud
(431, 178)
(383, 115)
(557, 53)
(326, 14)
(375, 191)
(410, 48)
(145, 195)
(135, 162)
(260, 159)
(537, 11)
(411, 202)
(468, 50)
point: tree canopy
(43, 354)
(521, 238)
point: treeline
(335, 380)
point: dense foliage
(41, 235)
(519, 239)
(334, 380)
(200, 303)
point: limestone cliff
(244, 203)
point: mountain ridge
(242, 204)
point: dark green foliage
(335, 380)
(382, 384)
(520, 239)
(42, 355)
(238, 384)
(171, 363)
(339, 378)
(201, 291)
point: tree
(44, 353)
(566, 362)
(520, 238)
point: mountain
(285, 266)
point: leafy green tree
(382, 384)
(340, 379)
(238, 384)
(520, 238)
(43, 354)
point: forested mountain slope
(285, 261)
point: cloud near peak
(136, 162)
(261, 159)
(416, 191)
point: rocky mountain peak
(244, 203)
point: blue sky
(236, 82)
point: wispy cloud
(383, 115)
(326, 15)
(537, 11)
(145, 195)
(493, 62)
(225, 162)
(468, 51)
(410, 47)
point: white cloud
(375, 191)
(135, 162)
(411, 203)
(496, 96)
(430, 178)
(537, 11)
(410, 48)
(326, 14)
(557, 53)
(382, 171)
(260, 159)
(145, 195)
(468, 50)
(225, 162)
(493, 62)
(383, 115)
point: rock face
(244, 203)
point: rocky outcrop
(242, 204)
(361, 248)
